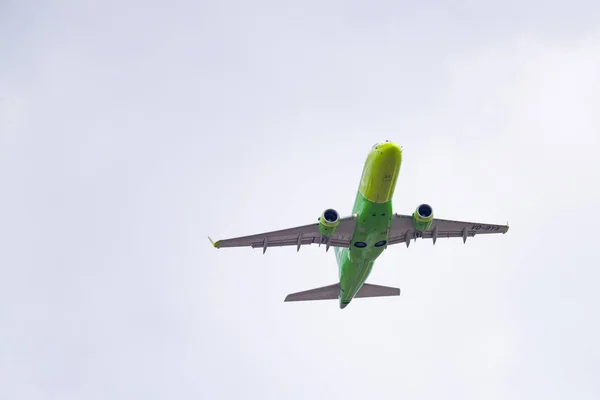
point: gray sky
(129, 131)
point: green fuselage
(373, 205)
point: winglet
(507, 227)
(215, 244)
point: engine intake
(328, 222)
(423, 217)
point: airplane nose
(390, 151)
(381, 172)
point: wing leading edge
(296, 236)
(402, 229)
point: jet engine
(328, 221)
(423, 217)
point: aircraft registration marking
(480, 227)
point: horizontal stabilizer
(368, 290)
(332, 292)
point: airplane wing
(402, 229)
(296, 236)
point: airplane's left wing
(402, 229)
(296, 236)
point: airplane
(360, 238)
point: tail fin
(332, 292)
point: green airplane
(359, 239)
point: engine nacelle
(423, 217)
(328, 222)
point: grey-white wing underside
(402, 229)
(296, 236)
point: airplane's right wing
(402, 229)
(296, 236)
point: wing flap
(335, 242)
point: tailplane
(368, 290)
(332, 292)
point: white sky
(129, 131)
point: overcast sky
(129, 131)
